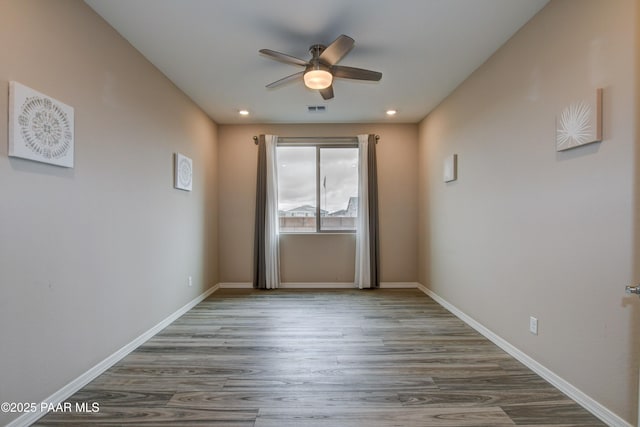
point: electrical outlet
(190, 281)
(533, 325)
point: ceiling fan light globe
(318, 79)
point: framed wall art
(40, 128)
(580, 122)
(183, 172)
(450, 168)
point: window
(317, 181)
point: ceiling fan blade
(337, 50)
(327, 93)
(283, 57)
(286, 79)
(355, 73)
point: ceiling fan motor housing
(316, 50)
(316, 63)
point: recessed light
(391, 112)
(243, 112)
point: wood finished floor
(342, 358)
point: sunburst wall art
(183, 172)
(40, 127)
(580, 123)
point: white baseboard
(84, 379)
(235, 285)
(587, 402)
(320, 285)
(399, 285)
(317, 285)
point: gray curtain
(367, 260)
(259, 257)
(374, 234)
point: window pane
(338, 188)
(297, 189)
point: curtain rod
(317, 138)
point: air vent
(316, 108)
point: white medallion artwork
(40, 127)
(183, 172)
(580, 123)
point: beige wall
(527, 231)
(316, 258)
(93, 256)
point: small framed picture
(183, 172)
(450, 170)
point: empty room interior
(303, 213)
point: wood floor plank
(332, 383)
(303, 358)
(119, 398)
(517, 381)
(154, 415)
(364, 417)
(443, 398)
(560, 413)
(286, 399)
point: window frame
(320, 143)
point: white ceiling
(209, 49)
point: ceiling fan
(320, 71)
